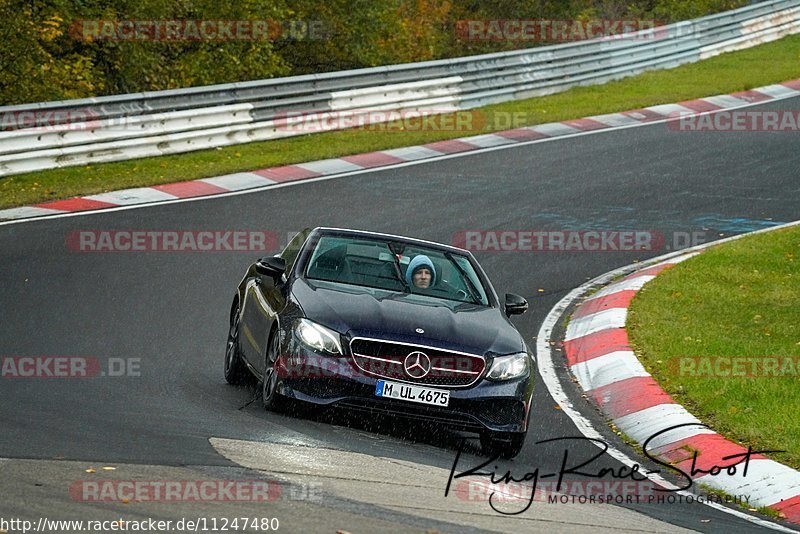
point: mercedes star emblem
(417, 364)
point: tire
(236, 372)
(503, 444)
(270, 398)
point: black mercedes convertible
(384, 324)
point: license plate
(408, 392)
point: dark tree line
(46, 52)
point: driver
(421, 273)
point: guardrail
(120, 127)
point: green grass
(736, 300)
(736, 71)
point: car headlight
(507, 367)
(317, 336)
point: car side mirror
(273, 267)
(515, 305)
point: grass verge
(721, 333)
(736, 71)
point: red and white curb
(599, 356)
(259, 179)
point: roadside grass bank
(720, 332)
(735, 71)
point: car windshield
(397, 267)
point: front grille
(387, 359)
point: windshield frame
(303, 262)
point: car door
(264, 299)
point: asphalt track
(170, 311)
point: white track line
(132, 196)
(634, 284)
(238, 181)
(596, 322)
(608, 369)
(642, 424)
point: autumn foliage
(42, 58)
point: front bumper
(335, 381)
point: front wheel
(270, 398)
(236, 372)
(503, 444)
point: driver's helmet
(417, 263)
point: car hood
(360, 312)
